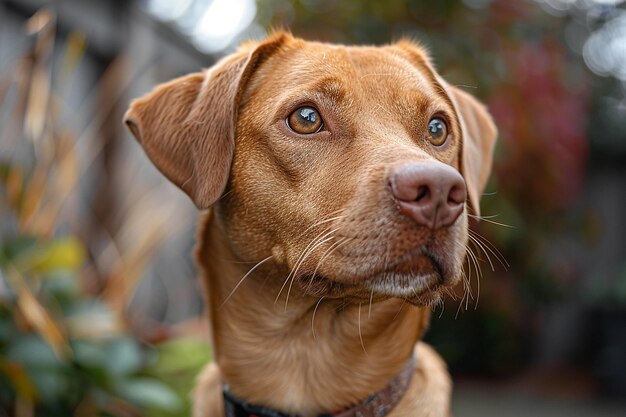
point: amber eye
(437, 131)
(305, 120)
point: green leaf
(181, 355)
(14, 247)
(29, 254)
(177, 363)
(91, 359)
(150, 393)
(32, 352)
(123, 357)
(51, 385)
(89, 354)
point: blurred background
(100, 311)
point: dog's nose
(430, 193)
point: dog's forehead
(380, 73)
(371, 68)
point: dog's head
(353, 167)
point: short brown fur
(304, 256)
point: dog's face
(350, 166)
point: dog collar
(378, 404)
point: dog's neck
(305, 356)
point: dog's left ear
(479, 139)
(187, 126)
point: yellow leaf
(33, 194)
(76, 46)
(14, 183)
(61, 254)
(37, 316)
(19, 379)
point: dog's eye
(437, 131)
(305, 120)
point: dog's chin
(419, 280)
(419, 289)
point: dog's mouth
(411, 279)
(417, 278)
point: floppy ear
(187, 126)
(479, 139)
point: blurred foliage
(65, 350)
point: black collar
(378, 404)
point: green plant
(65, 349)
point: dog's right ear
(187, 126)
(479, 139)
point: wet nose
(430, 193)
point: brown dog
(338, 179)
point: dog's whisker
(464, 277)
(289, 291)
(323, 221)
(341, 305)
(479, 272)
(467, 289)
(321, 235)
(328, 252)
(479, 275)
(323, 240)
(244, 278)
(385, 263)
(465, 86)
(360, 334)
(476, 262)
(441, 304)
(413, 289)
(473, 259)
(480, 246)
(399, 310)
(294, 272)
(492, 248)
(462, 300)
(282, 288)
(184, 183)
(478, 279)
(481, 217)
(313, 316)
(450, 294)
(486, 219)
(458, 309)
(223, 196)
(483, 246)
